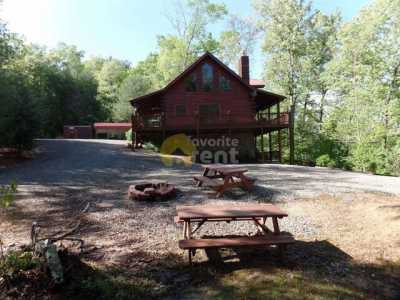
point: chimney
(244, 69)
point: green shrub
(16, 261)
(150, 146)
(7, 194)
(325, 161)
(372, 167)
(128, 135)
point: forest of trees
(341, 79)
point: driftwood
(47, 248)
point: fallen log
(47, 248)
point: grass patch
(277, 284)
(17, 261)
(87, 282)
(318, 271)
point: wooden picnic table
(222, 177)
(257, 213)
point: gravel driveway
(109, 163)
(66, 174)
(327, 208)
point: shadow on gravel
(395, 208)
(309, 270)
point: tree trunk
(321, 108)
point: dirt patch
(364, 225)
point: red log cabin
(209, 100)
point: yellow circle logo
(177, 142)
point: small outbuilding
(78, 132)
(111, 130)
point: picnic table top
(223, 169)
(229, 211)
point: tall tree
(366, 76)
(240, 37)
(322, 43)
(109, 79)
(286, 24)
(134, 85)
(190, 20)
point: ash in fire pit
(151, 191)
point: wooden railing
(157, 121)
(273, 118)
(148, 121)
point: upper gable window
(191, 83)
(208, 76)
(224, 83)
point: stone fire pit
(151, 191)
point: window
(180, 110)
(224, 84)
(191, 83)
(209, 110)
(207, 72)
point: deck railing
(157, 121)
(273, 118)
(148, 121)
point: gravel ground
(66, 174)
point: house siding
(237, 101)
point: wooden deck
(156, 123)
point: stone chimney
(244, 68)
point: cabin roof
(112, 125)
(265, 99)
(254, 85)
(257, 83)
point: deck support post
(278, 110)
(133, 133)
(291, 135)
(228, 113)
(196, 114)
(269, 137)
(163, 125)
(262, 145)
(280, 146)
(270, 145)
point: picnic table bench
(257, 213)
(221, 177)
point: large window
(180, 110)
(207, 76)
(209, 110)
(224, 83)
(191, 83)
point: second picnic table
(222, 177)
(257, 213)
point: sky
(124, 29)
